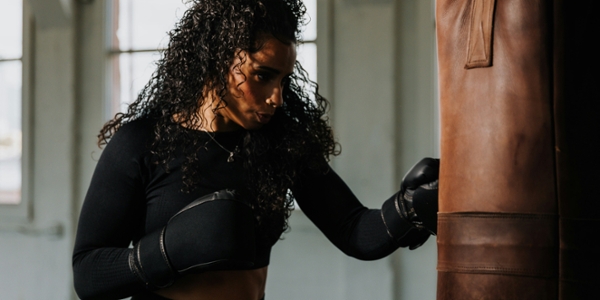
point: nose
(276, 98)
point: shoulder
(136, 129)
(140, 130)
(125, 155)
(133, 138)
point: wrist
(148, 260)
(402, 231)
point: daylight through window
(139, 31)
(11, 48)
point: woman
(198, 172)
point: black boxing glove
(419, 194)
(411, 214)
(214, 232)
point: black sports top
(129, 196)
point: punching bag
(518, 213)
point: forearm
(104, 273)
(357, 231)
(371, 239)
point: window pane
(143, 24)
(134, 71)
(11, 29)
(307, 56)
(10, 132)
(310, 31)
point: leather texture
(399, 228)
(497, 132)
(214, 232)
(497, 256)
(479, 51)
(425, 204)
(520, 134)
(498, 243)
(418, 196)
(497, 152)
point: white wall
(35, 250)
(380, 78)
(384, 115)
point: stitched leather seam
(214, 197)
(386, 225)
(134, 268)
(399, 209)
(452, 265)
(448, 217)
(204, 264)
(163, 251)
(495, 270)
(139, 266)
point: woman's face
(256, 86)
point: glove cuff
(399, 227)
(149, 261)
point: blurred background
(67, 66)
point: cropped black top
(129, 196)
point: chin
(254, 127)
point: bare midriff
(219, 285)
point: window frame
(323, 42)
(22, 212)
(113, 52)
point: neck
(213, 119)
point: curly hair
(202, 48)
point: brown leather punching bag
(520, 162)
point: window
(307, 50)
(11, 52)
(139, 31)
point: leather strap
(498, 243)
(479, 51)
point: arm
(112, 212)
(114, 215)
(359, 232)
(214, 232)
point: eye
(264, 76)
(285, 81)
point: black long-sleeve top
(130, 196)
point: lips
(264, 118)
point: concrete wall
(377, 67)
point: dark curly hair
(199, 55)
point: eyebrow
(265, 68)
(270, 69)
